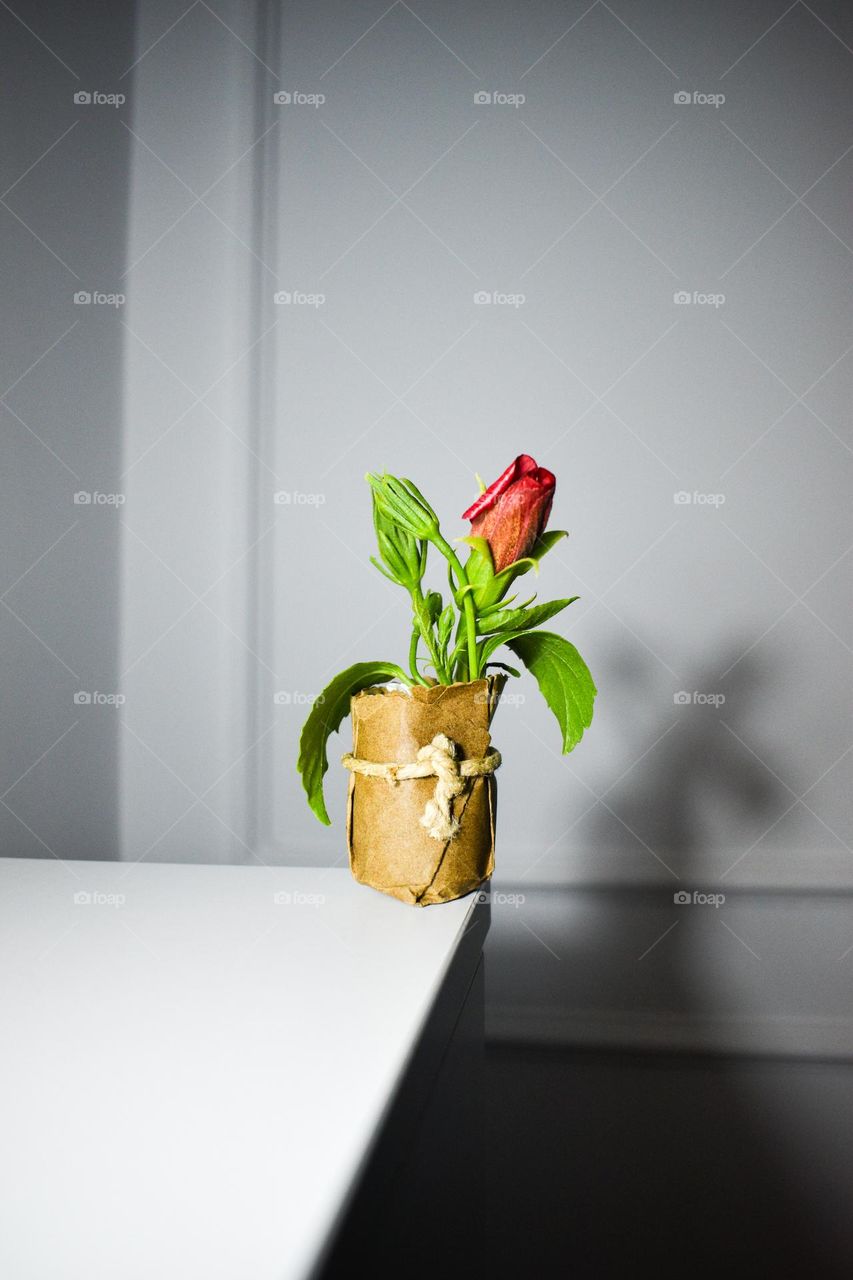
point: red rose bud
(513, 512)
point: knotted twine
(437, 759)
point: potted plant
(422, 791)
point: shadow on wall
(696, 1161)
(701, 785)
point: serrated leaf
(524, 619)
(328, 711)
(563, 677)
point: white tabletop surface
(192, 1071)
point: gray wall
(398, 199)
(598, 199)
(64, 189)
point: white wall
(399, 198)
(192, 371)
(627, 396)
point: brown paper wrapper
(388, 848)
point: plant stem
(423, 624)
(413, 657)
(467, 605)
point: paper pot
(389, 848)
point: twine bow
(437, 759)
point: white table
(197, 1061)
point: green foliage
(564, 680)
(523, 619)
(459, 637)
(324, 719)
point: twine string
(436, 759)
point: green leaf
(504, 666)
(546, 542)
(384, 572)
(523, 619)
(490, 587)
(433, 605)
(490, 609)
(488, 646)
(445, 627)
(563, 678)
(324, 719)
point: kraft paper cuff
(389, 847)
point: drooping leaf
(563, 677)
(328, 711)
(523, 619)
